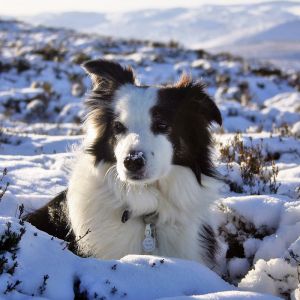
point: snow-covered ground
(257, 219)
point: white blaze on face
(132, 106)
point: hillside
(214, 27)
(257, 154)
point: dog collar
(150, 239)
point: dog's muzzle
(135, 163)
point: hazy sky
(30, 7)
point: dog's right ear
(107, 74)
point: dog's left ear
(199, 100)
(107, 74)
(207, 105)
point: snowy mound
(56, 273)
(257, 154)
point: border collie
(143, 182)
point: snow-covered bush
(257, 172)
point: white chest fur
(97, 198)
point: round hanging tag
(149, 244)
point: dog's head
(145, 130)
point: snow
(132, 277)
(259, 30)
(257, 220)
(226, 295)
(253, 208)
(271, 276)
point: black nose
(135, 161)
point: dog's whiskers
(113, 177)
(110, 170)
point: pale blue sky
(30, 7)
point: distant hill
(209, 26)
(74, 20)
(285, 32)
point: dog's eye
(160, 127)
(119, 128)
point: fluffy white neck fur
(97, 198)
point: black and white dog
(144, 180)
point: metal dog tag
(149, 241)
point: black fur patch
(52, 218)
(107, 77)
(208, 242)
(102, 148)
(188, 111)
(107, 74)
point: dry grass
(258, 171)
